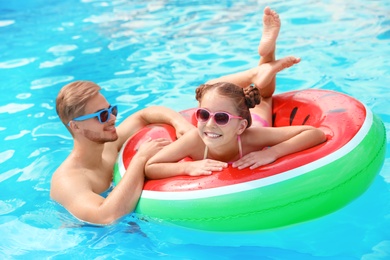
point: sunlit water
(157, 52)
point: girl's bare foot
(267, 71)
(271, 27)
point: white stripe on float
(121, 165)
(250, 185)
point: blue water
(157, 52)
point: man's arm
(152, 115)
(74, 191)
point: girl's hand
(255, 159)
(204, 167)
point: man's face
(92, 128)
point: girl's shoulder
(251, 131)
(193, 144)
(255, 136)
(191, 138)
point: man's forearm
(161, 115)
(124, 197)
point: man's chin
(114, 138)
(110, 140)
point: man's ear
(73, 125)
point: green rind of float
(296, 200)
(117, 176)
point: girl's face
(214, 135)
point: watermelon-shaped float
(295, 188)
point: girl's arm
(291, 139)
(165, 163)
(281, 142)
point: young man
(88, 170)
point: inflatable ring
(296, 188)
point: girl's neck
(225, 155)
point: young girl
(224, 135)
(226, 130)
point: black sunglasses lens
(202, 115)
(114, 110)
(221, 118)
(103, 116)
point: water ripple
(10, 64)
(34, 170)
(386, 165)
(105, 18)
(17, 136)
(92, 50)
(51, 129)
(4, 23)
(4, 156)
(117, 45)
(23, 95)
(130, 99)
(49, 81)
(59, 49)
(118, 84)
(38, 152)
(22, 238)
(384, 36)
(380, 251)
(9, 206)
(56, 62)
(14, 108)
(8, 174)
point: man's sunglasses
(221, 118)
(103, 115)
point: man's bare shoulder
(78, 190)
(66, 181)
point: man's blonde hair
(72, 99)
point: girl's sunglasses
(221, 118)
(103, 115)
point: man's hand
(183, 128)
(151, 147)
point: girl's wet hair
(243, 98)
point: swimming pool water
(157, 52)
